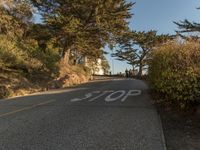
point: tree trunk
(133, 66)
(65, 56)
(140, 70)
(141, 65)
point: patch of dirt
(14, 83)
(181, 129)
(66, 81)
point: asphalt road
(114, 114)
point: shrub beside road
(174, 72)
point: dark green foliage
(128, 55)
(85, 25)
(187, 26)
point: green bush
(25, 55)
(48, 57)
(174, 71)
(14, 56)
(10, 54)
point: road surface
(113, 114)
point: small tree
(146, 41)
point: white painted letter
(102, 94)
(80, 99)
(109, 99)
(131, 93)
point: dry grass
(13, 83)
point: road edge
(162, 132)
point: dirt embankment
(15, 83)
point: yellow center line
(26, 108)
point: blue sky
(158, 15)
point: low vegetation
(174, 72)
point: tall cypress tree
(85, 25)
